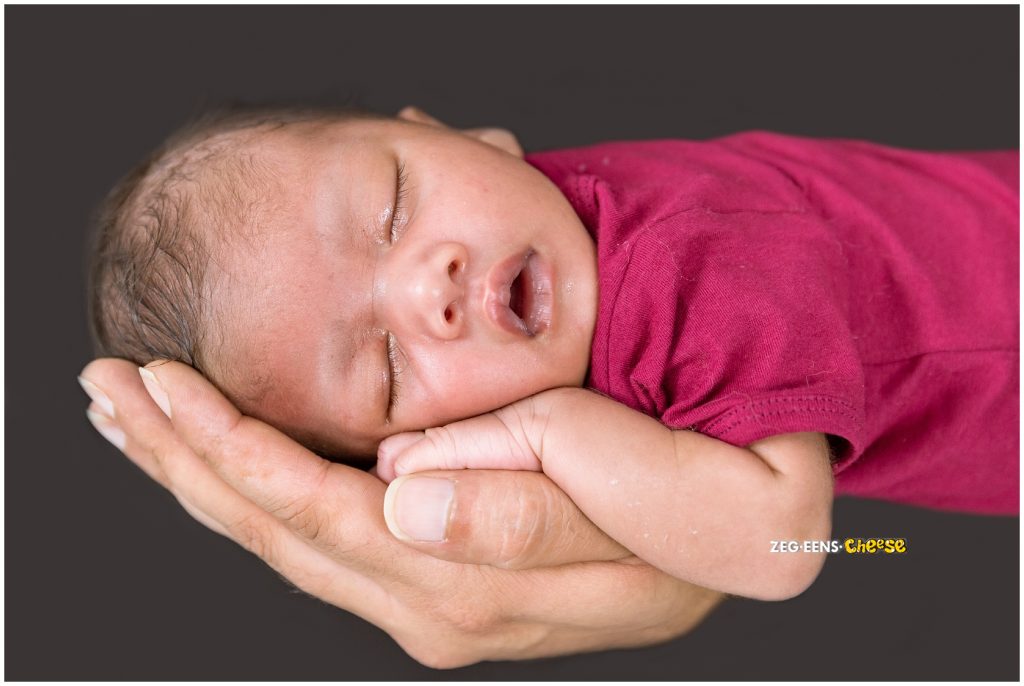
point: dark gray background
(108, 578)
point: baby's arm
(698, 508)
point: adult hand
(504, 589)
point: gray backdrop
(108, 578)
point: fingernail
(156, 391)
(107, 427)
(97, 396)
(417, 508)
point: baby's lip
(535, 294)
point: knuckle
(218, 436)
(444, 632)
(442, 440)
(253, 535)
(526, 422)
(303, 517)
(470, 618)
(305, 514)
(163, 453)
(440, 656)
(527, 411)
(522, 539)
(457, 638)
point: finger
(214, 503)
(389, 449)
(496, 440)
(140, 425)
(507, 519)
(121, 375)
(105, 425)
(201, 517)
(334, 507)
(112, 431)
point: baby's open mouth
(525, 300)
(519, 293)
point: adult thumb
(506, 519)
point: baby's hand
(508, 438)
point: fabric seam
(753, 409)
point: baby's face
(479, 290)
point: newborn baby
(752, 307)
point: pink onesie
(760, 284)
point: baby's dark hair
(154, 232)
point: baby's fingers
(490, 441)
(390, 448)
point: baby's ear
(503, 139)
(410, 113)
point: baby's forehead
(264, 198)
(286, 171)
(299, 140)
(273, 166)
(242, 181)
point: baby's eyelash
(401, 191)
(396, 371)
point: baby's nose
(436, 292)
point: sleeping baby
(699, 342)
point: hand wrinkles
(520, 434)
